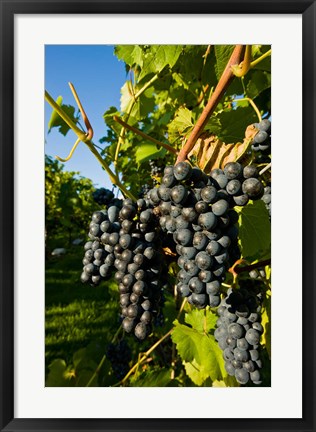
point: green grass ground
(75, 314)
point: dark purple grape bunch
(119, 355)
(125, 239)
(266, 198)
(99, 250)
(156, 167)
(139, 267)
(238, 334)
(258, 273)
(103, 196)
(197, 210)
(241, 184)
(262, 140)
(145, 188)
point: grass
(76, 314)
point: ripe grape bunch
(119, 355)
(262, 140)
(238, 334)
(125, 240)
(156, 167)
(197, 210)
(103, 196)
(266, 198)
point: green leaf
(126, 96)
(203, 320)
(211, 366)
(222, 54)
(59, 375)
(181, 124)
(138, 108)
(147, 151)
(54, 116)
(257, 51)
(234, 123)
(110, 122)
(56, 121)
(254, 230)
(153, 378)
(79, 356)
(187, 341)
(260, 81)
(130, 54)
(201, 351)
(195, 372)
(179, 80)
(214, 125)
(158, 57)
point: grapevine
(176, 232)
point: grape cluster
(119, 356)
(103, 196)
(139, 268)
(156, 167)
(145, 188)
(266, 198)
(258, 273)
(125, 239)
(262, 140)
(238, 334)
(100, 250)
(197, 210)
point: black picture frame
(8, 9)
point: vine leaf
(198, 349)
(147, 151)
(158, 57)
(260, 81)
(233, 123)
(138, 108)
(56, 121)
(130, 54)
(181, 124)
(254, 230)
(54, 116)
(222, 54)
(60, 375)
(110, 122)
(152, 378)
(201, 320)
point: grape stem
(265, 169)
(250, 267)
(66, 159)
(84, 137)
(143, 135)
(96, 372)
(259, 59)
(254, 106)
(128, 112)
(82, 111)
(144, 357)
(103, 358)
(220, 89)
(241, 69)
(151, 349)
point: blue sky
(98, 77)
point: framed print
(175, 232)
